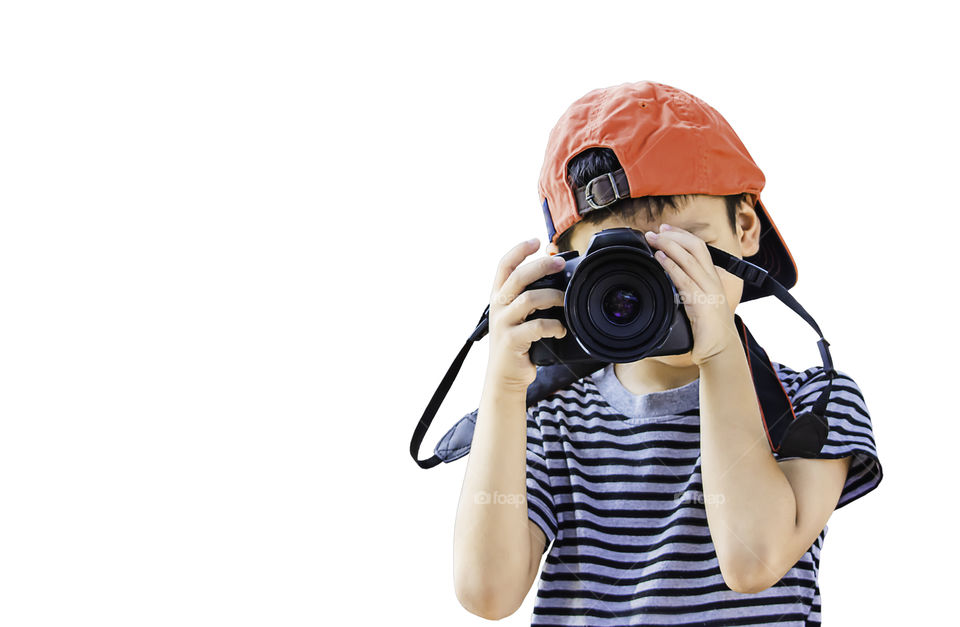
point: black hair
(594, 162)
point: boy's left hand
(689, 265)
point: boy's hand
(688, 263)
(509, 366)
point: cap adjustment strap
(602, 191)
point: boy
(655, 480)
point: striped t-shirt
(613, 480)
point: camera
(619, 304)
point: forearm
(750, 503)
(491, 535)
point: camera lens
(620, 305)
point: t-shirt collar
(652, 405)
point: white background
(242, 241)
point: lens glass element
(620, 305)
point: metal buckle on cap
(589, 193)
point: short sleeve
(849, 430)
(540, 503)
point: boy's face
(704, 216)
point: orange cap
(668, 142)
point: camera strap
(802, 435)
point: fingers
(685, 285)
(511, 260)
(530, 301)
(684, 251)
(523, 335)
(527, 274)
(694, 244)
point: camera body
(619, 304)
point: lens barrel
(619, 303)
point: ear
(748, 226)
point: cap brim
(773, 256)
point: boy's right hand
(509, 366)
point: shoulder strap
(805, 433)
(549, 379)
(776, 410)
(441, 393)
(775, 407)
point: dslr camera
(619, 304)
